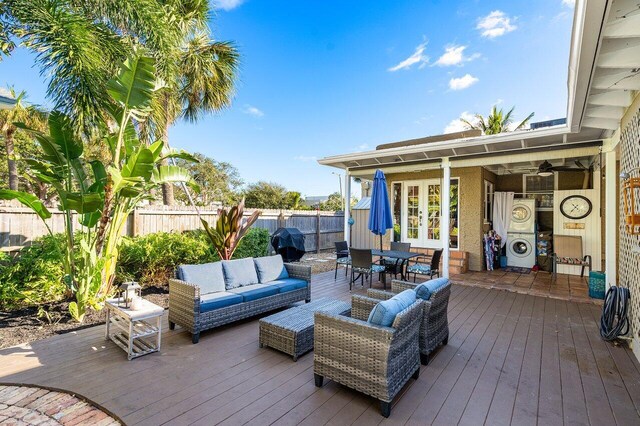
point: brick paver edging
(26, 404)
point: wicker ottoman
(291, 331)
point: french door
(421, 202)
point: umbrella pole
(380, 242)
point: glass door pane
(433, 208)
(414, 214)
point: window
(397, 211)
(433, 209)
(489, 189)
(541, 188)
(413, 211)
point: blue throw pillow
(427, 288)
(270, 268)
(208, 276)
(385, 312)
(240, 272)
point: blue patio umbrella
(380, 211)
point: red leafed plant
(229, 229)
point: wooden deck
(511, 359)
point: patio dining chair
(568, 251)
(396, 266)
(424, 266)
(362, 267)
(342, 257)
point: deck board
(512, 358)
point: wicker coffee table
(291, 331)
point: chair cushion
(419, 268)
(208, 276)
(255, 291)
(288, 284)
(572, 261)
(385, 312)
(270, 268)
(240, 272)
(221, 299)
(427, 288)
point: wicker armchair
(184, 304)
(375, 360)
(435, 324)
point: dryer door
(520, 248)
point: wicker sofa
(375, 360)
(435, 324)
(213, 294)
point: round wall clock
(576, 207)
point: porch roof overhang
(524, 146)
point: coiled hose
(614, 321)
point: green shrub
(152, 259)
(34, 276)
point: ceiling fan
(546, 169)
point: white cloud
(227, 4)
(495, 24)
(569, 3)
(454, 55)
(251, 110)
(362, 147)
(457, 125)
(418, 57)
(305, 158)
(463, 82)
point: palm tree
(20, 113)
(496, 122)
(79, 43)
(200, 81)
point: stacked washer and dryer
(521, 237)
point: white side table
(136, 332)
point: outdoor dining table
(402, 256)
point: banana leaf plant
(229, 229)
(102, 195)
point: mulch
(30, 323)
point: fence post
(134, 223)
(318, 231)
(281, 221)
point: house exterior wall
(629, 266)
(471, 204)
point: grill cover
(289, 243)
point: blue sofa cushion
(270, 268)
(427, 288)
(240, 272)
(208, 276)
(255, 291)
(385, 312)
(288, 284)
(221, 299)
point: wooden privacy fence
(19, 226)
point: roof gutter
(589, 15)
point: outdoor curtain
(502, 210)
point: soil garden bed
(31, 323)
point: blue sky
(329, 77)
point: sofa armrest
(302, 272)
(379, 294)
(398, 286)
(361, 306)
(346, 340)
(184, 303)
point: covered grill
(289, 243)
